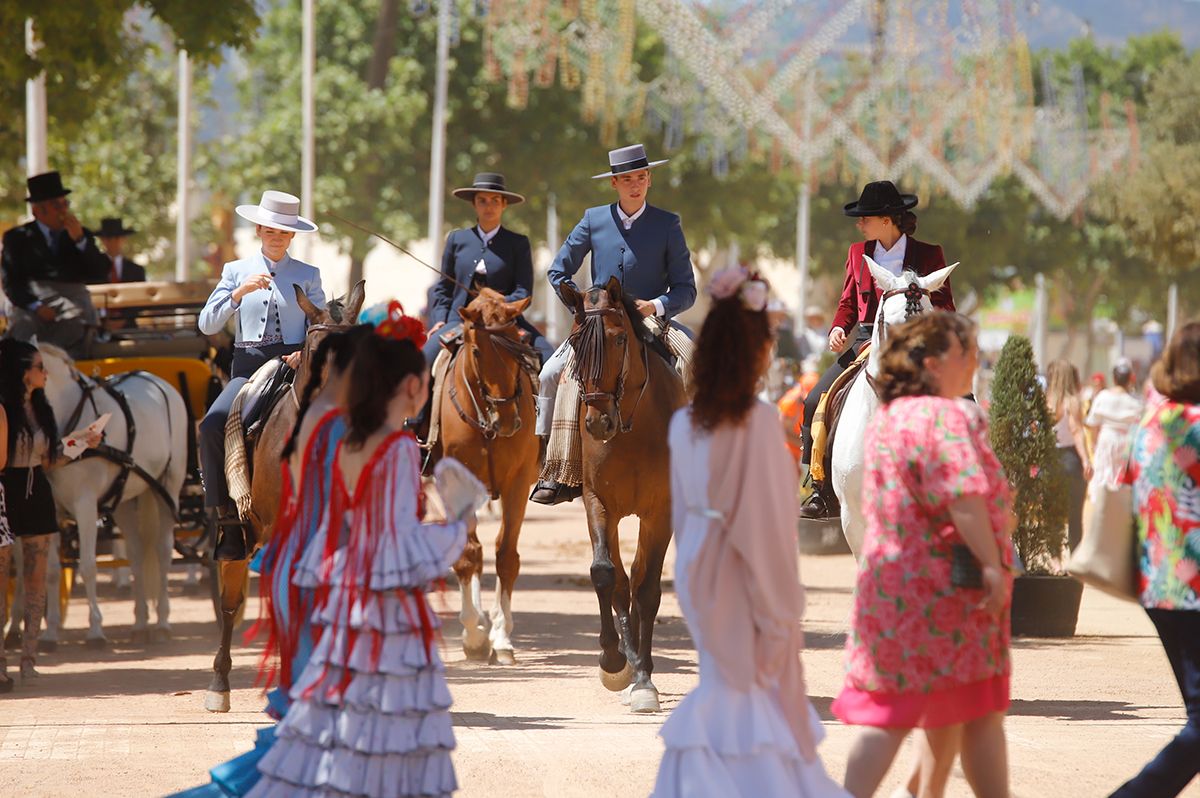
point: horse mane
(492, 307)
(336, 308)
(587, 339)
(56, 351)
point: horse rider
(45, 268)
(640, 245)
(258, 292)
(887, 223)
(487, 255)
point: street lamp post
(437, 155)
(308, 52)
(36, 160)
(184, 169)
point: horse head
(610, 355)
(494, 355)
(339, 314)
(61, 383)
(905, 296)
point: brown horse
(629, 394)
(265, 483)
(486, 417)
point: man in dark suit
(639, 245)
(45, 266)
(112, 235)
(485, 255)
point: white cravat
(891, 259)
(628, 221)
(119, 265)
(481, 266)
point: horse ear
(933, 281)
(571, 297)
(883, 278)
(615, 291)
(520, 306)
(358, 295)
(467, 313)
(310, 310)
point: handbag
(964, 568)
(1106, 557)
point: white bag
(1106, 558)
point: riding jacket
(860, 296)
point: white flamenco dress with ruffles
(724, 740)
(370, 712)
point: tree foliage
(1022, 435)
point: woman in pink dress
(929, 639)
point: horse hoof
(160, 634)
(47, 646)
(216, 702)
(502, 656)
(480, 653)
(96, 643)
(139, 637)
(644, 700)
(616, 682)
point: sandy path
(1087, 713)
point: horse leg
(615, 671)
(469, 570)
(626, 625)
(157, 521)
(85, 518)
(654, 535)
(48, 639)
(508, 566)
(233, 579)
(126, 517)
(120, 551)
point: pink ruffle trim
(922, 710)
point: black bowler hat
(113, 228)
(45, 186)
(881, 199)
(488, 183)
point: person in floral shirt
(923, 652)
(1164, 470)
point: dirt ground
(129, 721)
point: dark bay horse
(266, 475)
(487, 422)
(629, 393)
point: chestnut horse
(486, 417)
(629, 394)
(265, 485)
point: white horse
(901, 296)
(146, 522)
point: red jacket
(860, 295)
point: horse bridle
(519, 351)
(591, 397)
(913, 294)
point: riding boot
(821, 504)
(233, 536)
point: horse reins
(588, 343)
(489, 429)
(913, 294)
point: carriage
(150, 327)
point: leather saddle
(829, 413)
(268, 385)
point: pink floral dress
(919, 654)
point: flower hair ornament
(749, 287)
(392, 323)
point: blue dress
(301, 543)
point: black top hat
(881, 199)
(491, 183)
(45, 186)
(113, 228)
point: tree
(1022, 435)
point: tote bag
(1106, 558)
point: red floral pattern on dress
(911, 630)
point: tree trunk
(383, 47)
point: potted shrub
(1045, 598)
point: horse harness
(484, 417)
(596, 349)
(913, 294)
(124, 459)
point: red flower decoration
(400, 327)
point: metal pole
(1041, 310)
(1172, 311)
(553, 306)
(36, 161)
(184, 165)
(307, 115)
(437, 156)
(803, 211)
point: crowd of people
(361, 698)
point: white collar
(487, 237)
(272, 265)
(897, 249)
(47, 233)
(629, 220)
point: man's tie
(54, 243)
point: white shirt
(627, 222)
(119, 266)
(891, 259)
(481, 267)
(50, 235)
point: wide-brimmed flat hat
(628, 159)
(112, 227)
(488, 183)
(45, 186)
(277, 210)
(881, 198)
